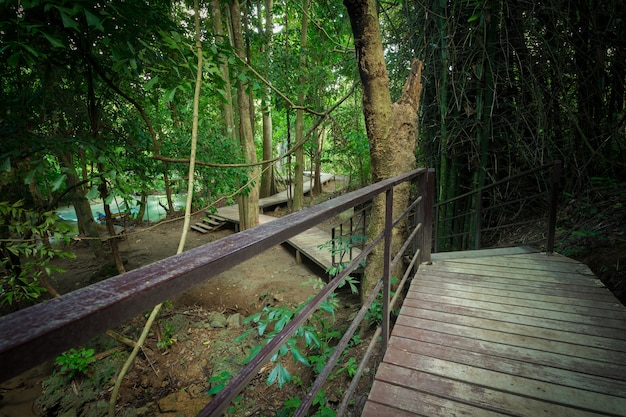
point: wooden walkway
(306, 243)
(504, 332)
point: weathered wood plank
(513, 381)
(482, 253)
(404, 351)
(521, 307)
(514, 339)
(506, 334)
(475, 395)
(403, 401)
(517, 328)
(530, 352)
(606, 301)
(525, 263)
(567, 286)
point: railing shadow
(35, 334)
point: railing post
(478, 220)
(554, 195)
(387, 265)
(428, 194)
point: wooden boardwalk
(504, 332)
(307, 243)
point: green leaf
(53, 41)
(93, 20)
(473, 18)
(280, 375)
(68, 22)
(6, 165)
(151, 83)
(298, 356)
(93, 193)
(56, 184)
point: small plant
(75, 361)
(375, 313)
(218, 382)
(167, 337)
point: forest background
(96, 102)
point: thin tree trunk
(298, 192)
(86, 223)
(249, 199)
(268, 186)
(227, 108)
(183, 238)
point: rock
(234, 321)
(216, 320)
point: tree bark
(249, 199)
(227, 108)
(267, 177)
(391, 128)
(298, 189)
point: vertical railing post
(333, 249)
(554, 195)
(387, 266)
(436, 228)
(428, 200)
(478, 219)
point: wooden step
(199, 228)
(213, 221)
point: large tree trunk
(391, 128)
(249, 199)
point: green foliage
(310, 345)
(75, 362)
(219, 382)
(375, 313)
(167, 336)
(27, 233)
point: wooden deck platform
(504, 332)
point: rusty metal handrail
(35, 334)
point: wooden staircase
(209, 223)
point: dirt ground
(202, 323)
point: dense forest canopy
(95, 97)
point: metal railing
(462, 221)
(41, 332)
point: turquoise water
(154, 212)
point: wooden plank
(481, 253)
(606, 301)
(510, 382)
(523, 263)
(519, 329)
(204, 226)
(475, 395)
(567, 286)
(529, 352)
(198, 229)
(391, 400)
(487, 270)
(513, 334)
(403, 351)
(522, 307)
(514, 339)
